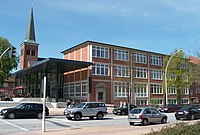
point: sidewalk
(100, 130)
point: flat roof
(50, 63)
(112, 45)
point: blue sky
(152, 25)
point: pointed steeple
(30, 32)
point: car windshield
(19, 106)
(80, 105)
(135, 111)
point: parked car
(190, 113)
(24, 110)
(146, 115)
(169, 108)
(123, 110)
(86, 109)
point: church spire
(30, 32)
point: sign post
(44, 104)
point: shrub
(178, 129)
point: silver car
(86, 109)
(146, 115)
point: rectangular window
(155, 60)
(120, 55)
(171, 90)
(156, 74)
(120, 89)
(142, 102)
(184, 100)
(78, 90)
(100, 52)
(140, 73)
(84, 89)
(185, 90)
(100, 69)
(66, 91)
(71, 90)
(139, 58)
(140, 90)
(156, 101)
(121, 71)
(172, 101)
(156, 89)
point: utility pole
(166, 74)
(128, 96)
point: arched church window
(33, 52)
(28, 52)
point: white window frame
(140, 73)
(141, 90)
(156, 74)
(185, 90)
(100, 69)
(140, 58)
(159, 101)
(142, 101)
(82, 90)
(121, 71)
(184, 101)
(172, 101)
(120, 89)
(100, 52)
(156, 89)
(121, 55)
(155, 60)
(171, 90)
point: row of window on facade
(141, 90)
(29, 52)
(138, 57)
(103, 52)
(80, 89)
(123, 71)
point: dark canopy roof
(49, 63)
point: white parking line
(14, 125)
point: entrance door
(100, 97)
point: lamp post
(166, 74)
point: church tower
(29, 48)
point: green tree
(7, 64)
(178, 74)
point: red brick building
(110, 71)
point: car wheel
(144, 122)
(123, 113)
(11, 115)
(99, 116)
(77, 116)
(132, 123)
(69, 118)
(192, 117)
(177, 118)
(169, 111)
(39, 115)
(164, 120)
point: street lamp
(166, 74)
